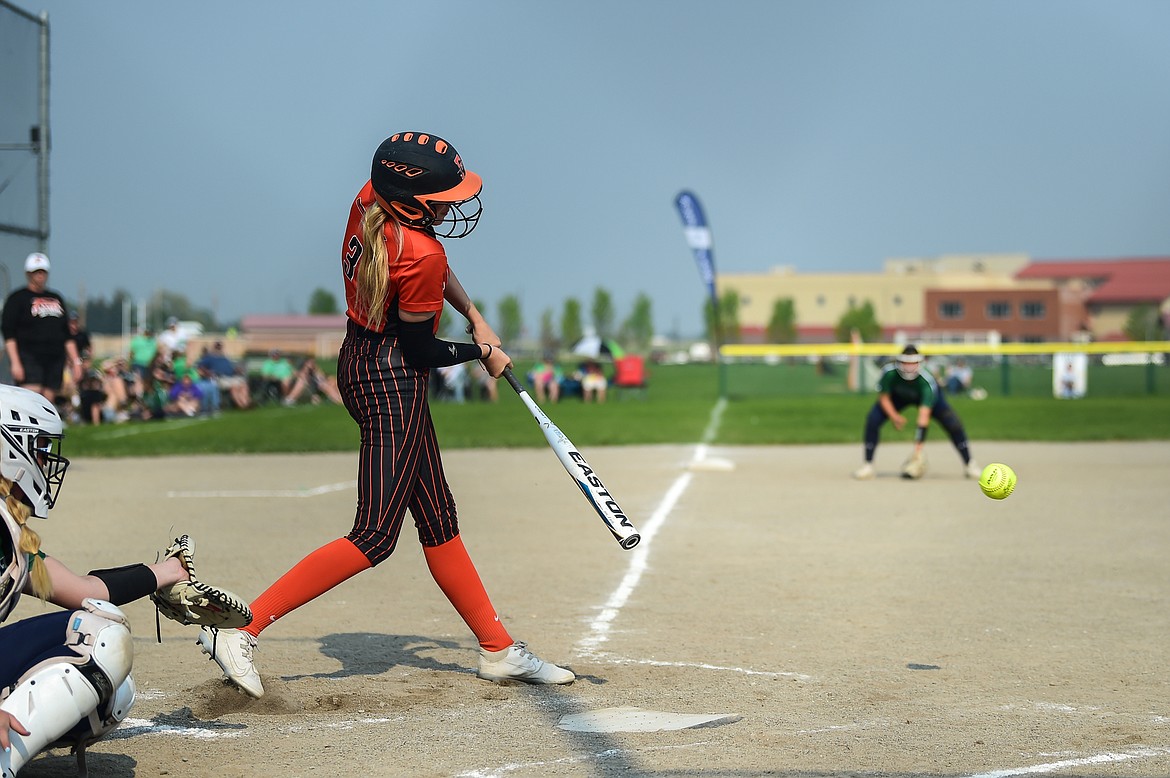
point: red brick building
(963, 298)
(1018, 315)
(1103, 292)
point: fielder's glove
(915, 466)
(194, 602)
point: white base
(628, 719)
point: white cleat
(517, 663)
(972, 470)
(232, 651)
(865, 472)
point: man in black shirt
(35, 325)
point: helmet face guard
(909, 365)
(30, 447)
(419, 178)
(445, 219)
(454, 219)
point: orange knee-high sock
(314, 575)
(453, 571)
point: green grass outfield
(676, 409)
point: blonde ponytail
(373, 274)
(30, 541)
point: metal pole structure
(717, 336)
(43, 140)
(38, 141)
(127, 304)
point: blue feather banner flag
(698, 236)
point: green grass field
(676, 409)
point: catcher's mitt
(915, 466)
(195, 602)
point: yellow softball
(997, 481)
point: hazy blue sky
(214, 147)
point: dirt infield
(830, 627)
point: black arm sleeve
(127, 584)
(422, 349)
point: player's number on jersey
(352, 255)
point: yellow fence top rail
(981, 349)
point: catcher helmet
(420, 179)
(909, 362)
(30, 445)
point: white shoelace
(522, 648)
(249, 643)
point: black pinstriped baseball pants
(399, 465)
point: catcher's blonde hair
(373, 274)
(30, 542)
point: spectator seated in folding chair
(629, 375)
(276, 378)
(593, 382)
(546, 379)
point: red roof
(1145, 280)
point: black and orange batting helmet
(419, 178)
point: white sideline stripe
(621, 660)
(1115, 756)
(599, 627)
(712, 426)
(312, 492)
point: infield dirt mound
(890, 628)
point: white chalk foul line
(311, 492)
(599, 627)
(712, 427)
(621, 660)
(1141, 752)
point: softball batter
(396, 281)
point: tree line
(557, 330)
(561, 329)
(104, 316)
(782, 323)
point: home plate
(637, 720)
(713, 464)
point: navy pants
(29, 642)
(942, 412)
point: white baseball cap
(36, 261)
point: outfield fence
(1065, 370)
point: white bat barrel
(581, 472)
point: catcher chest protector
(14, 573)
(74, 701)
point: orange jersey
(418, 278)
